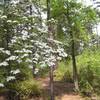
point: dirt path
(62, 90)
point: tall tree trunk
(51, 67)
(75, 74)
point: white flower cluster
(9, 21)
(14, 2)
(4, 63)
(46, 55)
(1, 85)
(2, 50)
(9, 78)
(11, 58)
(13, 40)
(25, 35)
(61, 52)
(23, 51)
(24, 55)
(3, 17)
(36, 71)
(14, 72)
(51, 61)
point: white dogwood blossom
(2, 50)
(3, 17)
(4, 63)
(9, 21)
(15, 71)
(36, 71)
(9, 78)
(1, 85)
(12, 58)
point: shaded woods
(49, 50)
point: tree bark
(51, 84)
(75, 73)
(50, 36)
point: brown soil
(62, 90)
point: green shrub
(89, 79)
(63, 72)
(88, 64)
(43, 72)
(25, 89)
(86, 77)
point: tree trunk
(75, 74)
(51, 84)
(51, 67)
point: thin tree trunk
(51, 84)
(75, 74)
(51, 67)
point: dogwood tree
(25, 40)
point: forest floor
(62, 90)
